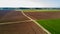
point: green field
(52, 25)
(40, 10)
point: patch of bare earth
(21, 28)
(13, 16)
(27, 27)
(43, 15)
(3, 12)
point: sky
(30, 3)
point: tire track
(14, 22)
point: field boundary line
(36, 22)
(14, 22)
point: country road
(36, 23)
(23, 26)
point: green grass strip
(40, 10)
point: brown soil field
(21, 28)
(43, 15)
(13, 16)
(2, 13)
(28, 27)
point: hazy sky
(30, 3)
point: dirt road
(25, 27)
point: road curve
(43, 29)
(18, 27)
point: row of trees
(30, 8)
